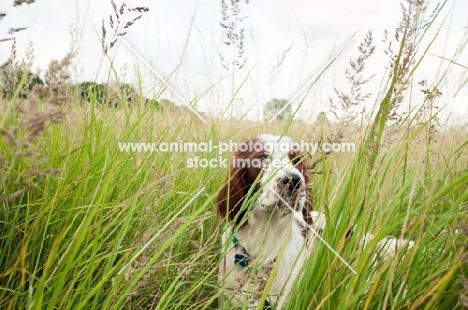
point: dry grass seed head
(121, 23)
(231, 22)
(351, 104)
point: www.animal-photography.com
(233, 154)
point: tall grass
(84, 225)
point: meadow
(84, 225)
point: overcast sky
(286, 43)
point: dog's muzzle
(291, 182)
(290, 188)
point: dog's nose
(294, 180)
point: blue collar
(241, 259)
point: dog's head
(269, 172)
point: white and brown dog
(265, 175)
(267, 205)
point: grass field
(137, 230)
(84, 225)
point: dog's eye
(262, 157)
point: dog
(266, 206)
(266, 176)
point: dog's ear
(232, 195)
(302, 167)
(308, 208)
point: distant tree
(322, 119)
(12, 77)
(111, 94)
(274, 106)
(120, 93)
(162, 104)
(151, 102)
(128, 93)
(166, 104)
(35, 80)
(91, 92)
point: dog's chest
(265, 243)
